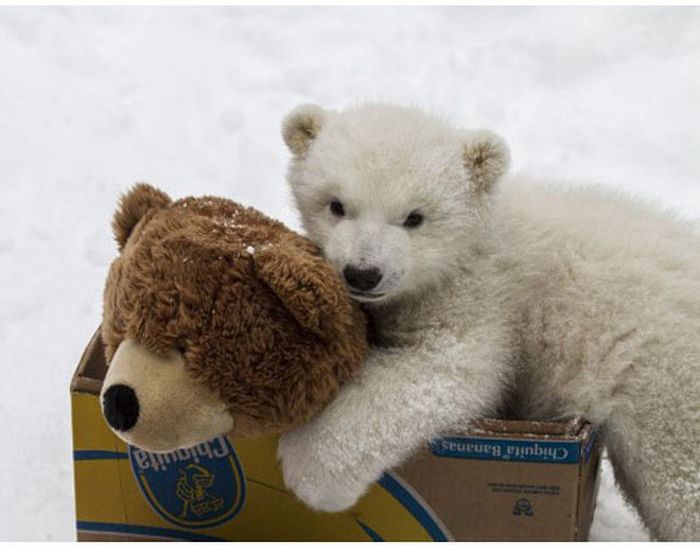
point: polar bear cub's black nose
(364, 279)
(120, 407)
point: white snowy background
(94, 99)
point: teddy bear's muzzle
(151, 402)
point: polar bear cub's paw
(312, 471)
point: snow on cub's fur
(557, 301)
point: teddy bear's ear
(306, 285)
(301, 126)
(486, 157)
(133, 206)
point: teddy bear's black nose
(363, 279)
(120, 407)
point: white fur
(555, 301)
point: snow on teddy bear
(485, 292)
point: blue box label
(557, 452)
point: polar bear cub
(484, 292)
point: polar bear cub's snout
(149, 401)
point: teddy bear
(218, 319)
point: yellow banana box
(503, 480)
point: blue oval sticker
(202, 486)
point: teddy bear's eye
(181, 344)
(413, 220)
(337, 208)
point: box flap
(570, 429)
(92, 367)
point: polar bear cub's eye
(337, 208)
(413, 220)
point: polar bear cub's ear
(133, 206)
(486, 157)
(301, 126)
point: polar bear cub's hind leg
(653, 440)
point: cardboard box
(502, 480)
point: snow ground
(93, 99)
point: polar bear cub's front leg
(404, 397)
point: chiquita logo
(202, 486)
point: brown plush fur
(258, 315)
